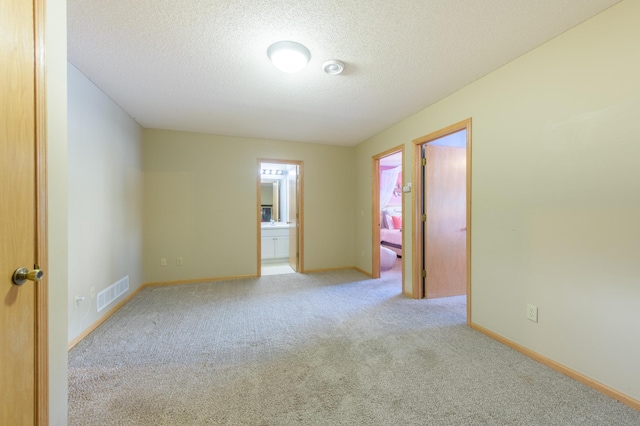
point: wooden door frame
(300, 165)
(417, 287)
(375, 210)
(41, 191)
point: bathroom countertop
(277, 225)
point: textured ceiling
(201, 65)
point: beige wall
(201, 203)
(105, 199)
(56, 88)
(555, 195)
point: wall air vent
(111, 293)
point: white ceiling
(201, 65)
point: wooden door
(293, 180)
(445, 230)
(19, 357)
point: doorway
(280, 218)
(442, 214)
(387, 213)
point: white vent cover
(111, 293)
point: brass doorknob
(21, 275)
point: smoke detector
(333, 67)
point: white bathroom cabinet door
(281, 247)
(268, 248)
(275, 244)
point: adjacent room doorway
(280, 218)
(442, 241)
(387, 213)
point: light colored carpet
(319, 349)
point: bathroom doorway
(280, 218)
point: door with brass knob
(22, 392)
(22, 275)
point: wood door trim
(259, 219)
(375, 210)
(301, 217)
(300, 165)
(418, 290)
(417, 252)
(41, 255)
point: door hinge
(423, 217)
(424, 161)
(424, 274)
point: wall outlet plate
(77, 300)
(532, 313)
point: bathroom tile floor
(276, 269)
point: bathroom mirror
(270, 197)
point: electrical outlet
(163, 261)
(77, 300)
(93, 293)
(532, 313)
(179, 261)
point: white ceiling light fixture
(333, 67)
(289, 56)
